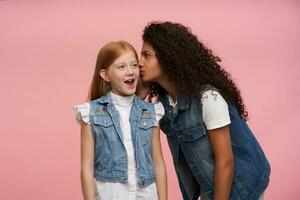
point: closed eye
(145, 54)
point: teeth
(130, 81)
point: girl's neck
(169, 86)
(123, 101)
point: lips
(130, 81)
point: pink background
(47, 55)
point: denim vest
(193, 158)
(110, 162)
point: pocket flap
(194, 133)
(146, 123)
(103, 121)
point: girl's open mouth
(130, 81)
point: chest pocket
(105, 126)
(193, 134)
(146, 126)
(103, 121)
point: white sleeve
(159, 112)
(82, 113)
(215, 111)
(154, 99)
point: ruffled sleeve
(159, 112)
(152, 99)
(82, 113)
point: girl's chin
(147, 79)
(130, 91)
(125, 94)
(144, 79)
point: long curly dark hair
(189, 63)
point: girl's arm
(87, 162)
(224, 162)
(159, 165)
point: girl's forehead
(126, 56)
(147, 47)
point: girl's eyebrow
(145, 51)
(124, 63)
(133, 61)
(118, 64)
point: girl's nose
(141, 63)
(129, 70)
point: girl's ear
(104, 75)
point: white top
(130, 190)
(215, 111)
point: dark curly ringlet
(189, 63)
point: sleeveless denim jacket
(110, 162)
(193, 158)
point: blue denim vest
(193, 157)
(110, 162)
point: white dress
(130, 190)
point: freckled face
(123, 74)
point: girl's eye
(121, 66)
(135, 65)
(147, 55)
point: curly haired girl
(214, 151)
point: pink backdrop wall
(47, 55)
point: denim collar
(105, 99)
(183, 101)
